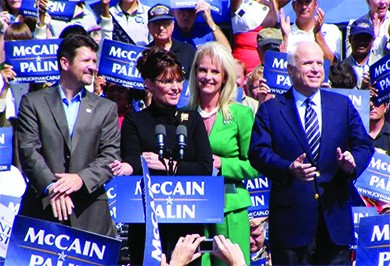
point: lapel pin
(88, 110)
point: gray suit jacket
(46, 148)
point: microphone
(181, 135)
(160, 134)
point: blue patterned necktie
(312, 129)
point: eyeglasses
(170, 82)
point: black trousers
(322, 251)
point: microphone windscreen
(160, 129)
(181, 130)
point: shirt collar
(76, 98)
(300, 98)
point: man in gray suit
(67, 137)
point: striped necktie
(312, 129)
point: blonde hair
(219, 55)
(256, 74)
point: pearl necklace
(205, 114)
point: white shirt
(331, 33)
(301, 106)
(135, 24)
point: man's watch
(214, 27)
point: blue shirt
(197, 36)
(71, 108)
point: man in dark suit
(310, 218)
(67, 137)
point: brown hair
(155, 61)
(17, 31)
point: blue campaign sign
(374, 241)
(11, 202)
(38, 242)
(178, 199)
(375, 180)
(215, 5)
(184, 96)
(259, 190)
(360, 100)
(57, 9)
(152, 252)
(359, 213)
(33, 60)
(380, 78)
(276, 74)
(118, 62)
(6, 148)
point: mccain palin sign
(118, 64)
(182, 199)
(380, 79)
(38, 242)
(33, 60)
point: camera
(207, 245)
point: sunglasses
(306, 2)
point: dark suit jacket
(278, 138)
(46, 148)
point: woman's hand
(119, 168)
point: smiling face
(379, 7)
(166, 88)
(305, 9)
(307, 72)
(81, 69)
(209, 76)
(361, 44)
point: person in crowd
(127, 22)
(241, 88)
(269, 39)
(361, 38)
(342, 75)
(66, 167)
(186, 30)
(379, 128)
(186, 251)
(248, 18)
(213, 93)
(379, 16)
(122, 97)
(161, 25)
(163, 76)
(257, 85)
(309, 25)
(259, 249)
(312, 166)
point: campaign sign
(118, 62)
(33, 60)
(184, 96)
(57, 9)
(38, 242)
(276, 74)
(259, 190)
(380, 78)
(215, 5)
(358, 213)
(360, 100)
(178, 199)
(152, 252)
(374, 241)
(6, 221)
(11, 202)
(6, 147)
(374, 182)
